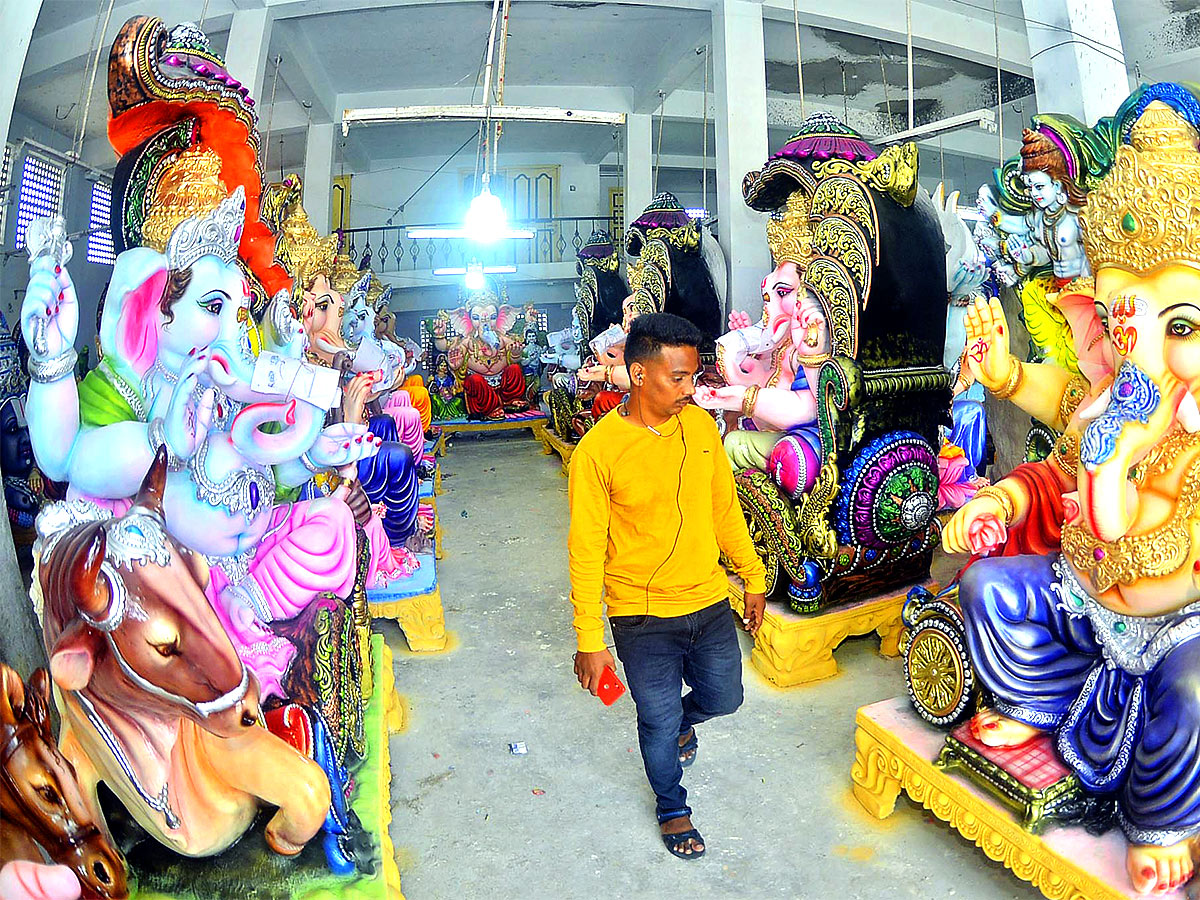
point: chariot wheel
(938, 673)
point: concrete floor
(575, 817)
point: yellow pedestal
(552, 443)
(438, 532)
(893, 752)
(793, 649)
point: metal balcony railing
(388, 249)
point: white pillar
(1078, 63)
(16, 24)
(639, 165)
(20, 638)
(739, 70)
(318, 174)
(246, 53)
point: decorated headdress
(216, 233)
(1143, 215)
(172, 103)
(345, 273)
(299, 248)
(13, 380)
(598, 253)
(665, 219)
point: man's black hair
(650, 333)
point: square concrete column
(16, 24)
(739, 69)
(639, 166)
(1078, 63)
(249, 44)
(20, 638)
(318, 174)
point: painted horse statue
(1091, 636)
(41, 807)
(155, 701)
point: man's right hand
(590, 666)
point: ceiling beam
(55, 51)
(303, 71)
(676, 63)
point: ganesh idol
(484, 354)
(176, 373)
(390, 478)
(770, 367)
(1096, 641)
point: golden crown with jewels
(1146, 212)
(789, 233)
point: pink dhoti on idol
(308, 549)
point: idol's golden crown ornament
(190, 186)
(216, 233)
(1144, 214)
(789, 233)
(302, 251)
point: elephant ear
(506, 318)
(460, 320)
(129, 323)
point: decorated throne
(848, 510)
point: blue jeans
(659, 655)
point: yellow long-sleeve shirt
(649, 515)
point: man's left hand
(752, 612)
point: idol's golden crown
(344, 275)
(302, 251)
(189, 186)
(1144, 214)
(789, 234)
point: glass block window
(41, 193)
(100, 243)
(5, 176)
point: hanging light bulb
(474, 281)
(485, 222)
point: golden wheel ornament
(938, 673)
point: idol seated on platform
(483, 346)
(1095, 641)
(839, 388)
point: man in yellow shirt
(652, 505)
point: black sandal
(674, 841)
(691, 746)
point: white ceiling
(613, 56)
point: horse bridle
(117, 607)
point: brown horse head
(39, 795)
(127, 620)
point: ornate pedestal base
(416, 605)
(552, 443)
(511, 422)
(894, 752)
(793, 649)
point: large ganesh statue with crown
(189, 592)
(1078, 613)
(483, 345)
(840, 387)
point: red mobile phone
(610, 689)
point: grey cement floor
(575, 817)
